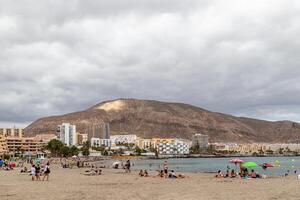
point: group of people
(7, 165)
(93, 171)
(244, 173)
(36, 172)
(164, 173)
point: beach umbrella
(266, 165)
(249, 164)
(236, 160)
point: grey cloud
(239, 57)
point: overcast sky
(238, 57)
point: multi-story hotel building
(97, 142)
(173, 147)
(117, 139)
(144, 143)
(12, 140)
(3, 145)
(11, 132)
(67, 134)
(23, 144)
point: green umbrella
(249, 164)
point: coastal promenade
(71, 184)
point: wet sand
(71, 184)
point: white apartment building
(173, 147)
(117, 139)
(144, 143)
(97, 142)
(67, 134)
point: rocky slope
(161, 119)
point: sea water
(282, 165)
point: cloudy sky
(235, 56)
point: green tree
(74, 151)
(154, 150)
(280, 151)
(65, 151)
(54, 146)
(85, 149)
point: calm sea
(281, 164)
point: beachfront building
(67, 134)
(23, 144)
(3, 145)
(173, 147)
(285, 147)
(143, 143)
(121, 139)
(200, 139)
(97, 142)
(81, 138)
(11, 132)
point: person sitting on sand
(253, 174)
(219, 174)
(172, 174)
(227, 174)
(141, 174)
(24, 170)
(232, 174)
(160, 173)
(146, 173)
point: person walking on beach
(32, 172)
(46, 172)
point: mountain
(147, 118)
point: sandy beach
(115, 184)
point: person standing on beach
(37, 172)
(127, 166)
(166, 169)
(46, 172)
(32, 172)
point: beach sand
(71, 184)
